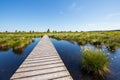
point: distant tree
(19, 31)
(16, 31)
(48, 30)
(23, 31)
(33, 31)
(76, 31)
(54, 31)
(30, 31)
(81, 31)
(6, 31)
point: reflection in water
(18, 51)
(9, 61)
(6, 48)
(71, 56)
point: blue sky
(65, 15)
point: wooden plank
(43, 63)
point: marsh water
(70, 53)
(10, 61)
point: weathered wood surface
(43, 63)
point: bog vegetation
(95, 62)
(18, 40)
(91, 60)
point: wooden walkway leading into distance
(43, 63)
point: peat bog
(15, 47)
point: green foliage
(95, 38)
(112, 47)
(96, 62)
(48, 30)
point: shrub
(95, 62)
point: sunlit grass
(95, 38)
(95, 62)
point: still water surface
(10, 61)
(70, 53)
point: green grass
(15, 42)
(95, 38)
(95, 62)
(112, 47)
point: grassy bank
(110, 38)
(18, 43)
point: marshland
(85, 33)
(87, 55)
(19, 40)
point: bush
(95, 62)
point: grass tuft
(95, 62)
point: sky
(59, 15)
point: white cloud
(92, 27)
(112, 15)
(74, 7)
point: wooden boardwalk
(43, 63)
